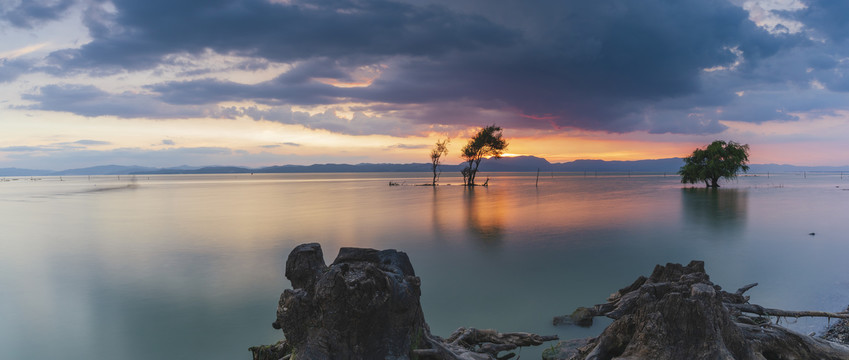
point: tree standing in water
(439, 150)
(717, 160)
(488, 142)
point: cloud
(91, 142)
(281, 90)
(63, 158)
(359, 124)
(660, 66)
(827, 18)
(27, 148)
(28, 13)
(408, 147)
(600, 66)
(167, 142)
(138, 34)
(88, 100)
(10, 70)
(38, 157)
(274, 146)
(61, 146)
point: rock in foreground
(366, 306)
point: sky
(270, 82)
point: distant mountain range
(518, 164)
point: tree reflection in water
(721, 212)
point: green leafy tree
(717, 160)
(488, 142)
(439, 150)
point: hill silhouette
(505, 164)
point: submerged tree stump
(366, 306)
(677, 313)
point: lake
(191, 266)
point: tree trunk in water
(434, 175)
(472, 169)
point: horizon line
(516, 167)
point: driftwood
(760, 310)
(366, 306)
(677, 313)
(474, 344)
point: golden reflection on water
(485, 214)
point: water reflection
(439, 221)
(719, 211)
(485, 213)
(140, 272)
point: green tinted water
(177, 267)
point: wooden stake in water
(537, 183)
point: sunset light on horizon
(410, 179)
(259, 83)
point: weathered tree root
(474, 344)
(677, 313)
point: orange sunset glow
(388, 95)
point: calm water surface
(191, 267)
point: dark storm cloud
(614, 65)
(601, 66)
(597, 65)
(28, 13)
(141, 33)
